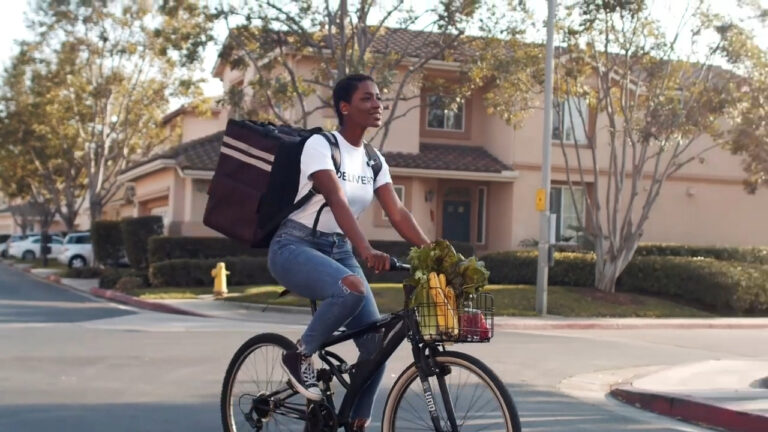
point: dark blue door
(456, 219)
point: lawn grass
(510, 300)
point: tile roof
(198, 154)
(203, 154)
(448, 157)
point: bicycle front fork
(428, 366)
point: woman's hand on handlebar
(376, 260)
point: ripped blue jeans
(313, 267)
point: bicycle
(441, 390)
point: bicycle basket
(470, 321)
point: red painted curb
(143, 304)
(691, 410)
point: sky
(12, 28)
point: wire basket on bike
(442, 320)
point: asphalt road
(72, 363)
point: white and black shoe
(301, 372)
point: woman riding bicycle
(320, 265)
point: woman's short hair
(344, 89)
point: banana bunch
(444, 299)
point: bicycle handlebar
(397, 265)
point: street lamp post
(542, 196)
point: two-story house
(465, 175)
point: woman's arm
(326, 183)
(399, 216)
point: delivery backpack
(256, 180)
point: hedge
(164, 248)
(753, 255)
(83, 273)
(520, 267)
(720, 286)
(107, 241)
(189, 273)
(111, 276)
(249, 270)
(136, 234)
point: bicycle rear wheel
(255, 395)
(478, 398)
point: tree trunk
(606, 274)
(96, 209)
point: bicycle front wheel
(465, 385)
(255, 395)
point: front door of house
(456, 219)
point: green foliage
(465, 276)
(107, 241)
(750, 255)
(721, 286)
(101, 77)
(191, 273)
(520, 267)
(164, 248)
(83, 273)
(136, 233)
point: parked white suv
(29, 248)
(78, 251)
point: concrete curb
(508, 323)
(143, 304)
(691, 410)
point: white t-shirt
(355, 177)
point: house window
(439, 116)
(569, 121)
(482, 193)
(567, 207)
(400, 192)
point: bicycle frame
(394, 329)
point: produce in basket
(442, 279)
(465, 276)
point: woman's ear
(344, 108)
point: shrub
(127, 283)
(520, 267)
(721, 286)
(83, 273)
(107, 241)
(136, 234)
(111, 276)
(164, 248)
(753, 255)
(188, 272)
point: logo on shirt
(355, 178)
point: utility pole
(542, 195)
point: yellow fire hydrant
(219, 274)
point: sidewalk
(726, 394)
(729, 395)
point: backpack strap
(373, 160)
(336, 158)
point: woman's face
(365, 107)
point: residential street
(72, 363)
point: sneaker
(301, 372)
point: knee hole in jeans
(354, 284)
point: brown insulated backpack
(256, 180)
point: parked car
(78, 251)
(13, 238)
(29, 248)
